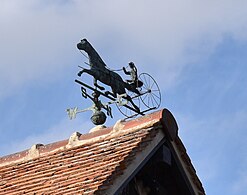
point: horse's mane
(94, 56)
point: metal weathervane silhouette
(134, 96)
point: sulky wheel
(150, 92)
(123, 108)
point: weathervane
(133, 97)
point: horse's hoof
(79, 74)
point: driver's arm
(125, 71)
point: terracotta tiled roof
(90, 163)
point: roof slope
(84, 164)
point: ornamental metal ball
(98, 118)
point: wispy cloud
(38, 37)
(212, 143)
(61, 131)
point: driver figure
(133, 75)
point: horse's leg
(80, 73)
(113, 93)
(96, 85)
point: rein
(116, 70)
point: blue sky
(196, 51)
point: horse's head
(94, 58)
(83, 44)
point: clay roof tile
(87, 163)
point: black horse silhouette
(99, 71)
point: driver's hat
(131, 63)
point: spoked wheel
(123, 108)
(150, 92)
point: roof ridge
(77, 139)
